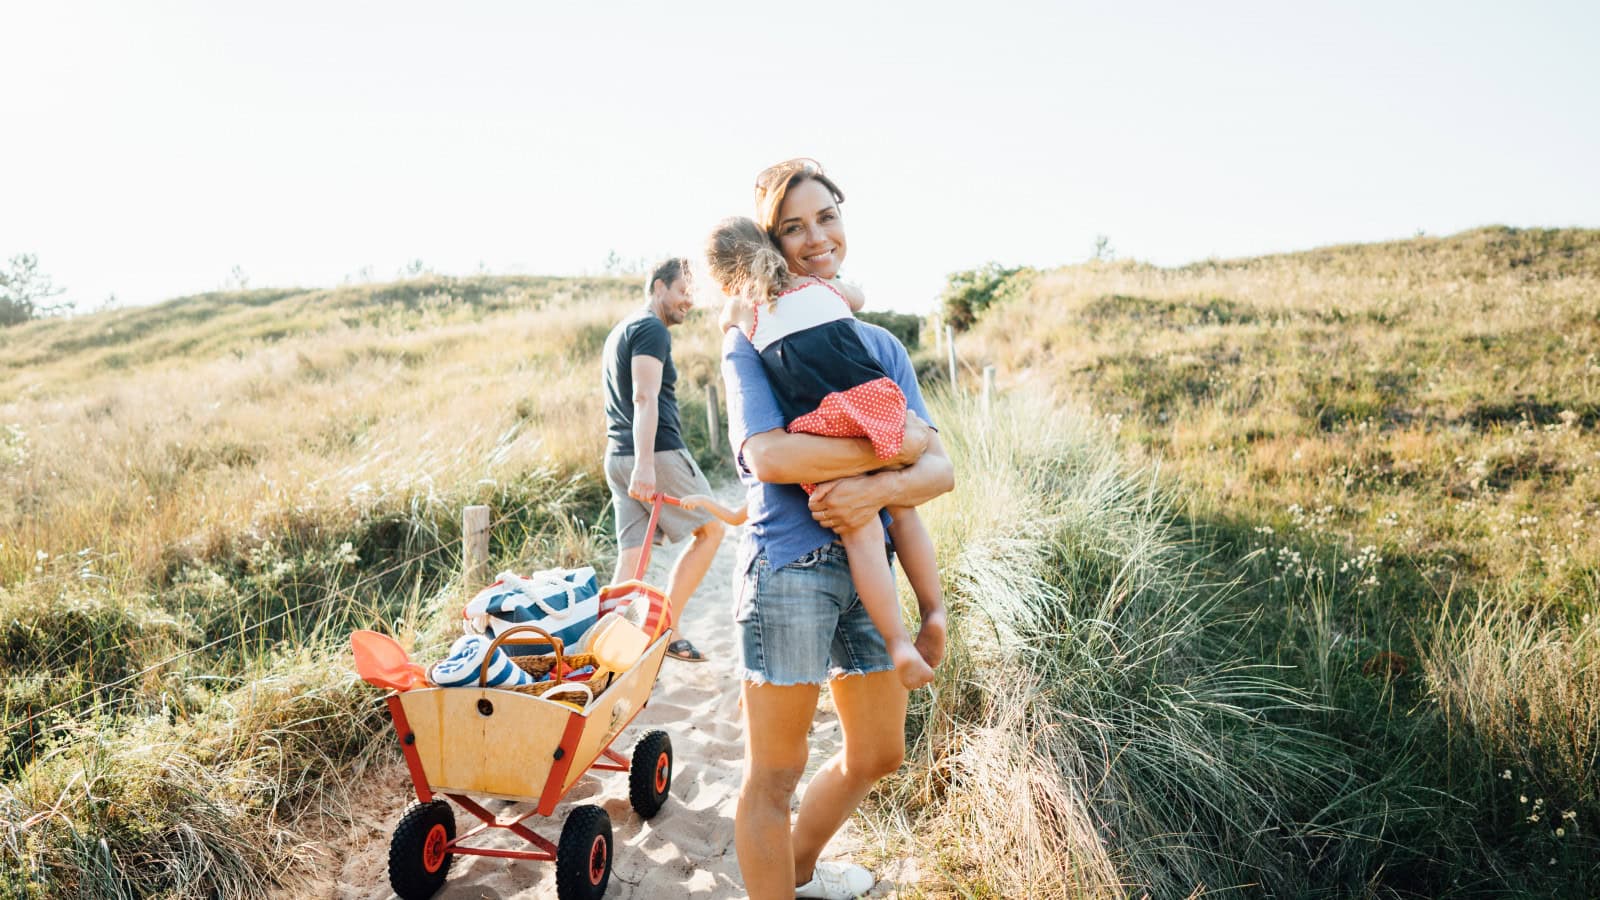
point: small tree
(1103, 251)
(24, 290)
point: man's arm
(646, 413)
(849, 503)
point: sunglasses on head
(772, 176)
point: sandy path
(685, 851)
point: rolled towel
(466, 660)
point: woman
(800, 621)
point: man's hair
(667, 271)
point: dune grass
(1097, 732)
(1271, 577)
(198, 502)
(1393, 452)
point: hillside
(199, 500)
(1272, 576)
(1393, 452)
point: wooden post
(988, 390)
(712, 409)
(950, 347)
(475, 546)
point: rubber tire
(408, 869)
(643, 790)
(586, 827)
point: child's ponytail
(740, 255)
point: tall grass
(1393, 451)
(1095, 732)
(198, 502)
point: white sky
(149, 148)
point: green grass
(1391, 450)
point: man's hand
(849, 503)
(642, 486)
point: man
(645, 452)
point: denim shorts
(804, 623)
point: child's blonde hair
(740, 256)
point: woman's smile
(810, 232)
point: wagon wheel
(583, 858)
(650, 774)
(418, 860)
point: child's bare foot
(914, 672)
(930, 638)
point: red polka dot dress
(824, 378)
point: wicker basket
(538, 666)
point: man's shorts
(677, 475)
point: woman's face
(810, 232)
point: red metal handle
(656, 500)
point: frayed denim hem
(751, 676)
(837, 672)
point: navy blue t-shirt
(780, 520)
(641, 334)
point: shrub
(969, 292)
(905, 327)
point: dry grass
(1092, 733)
(1369, 436)
(199, 500)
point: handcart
(463, 743)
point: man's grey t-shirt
(641, 334)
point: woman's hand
(849, 503)
(846, 504)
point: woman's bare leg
(872, 715)
(914, 546)
(776, 720)
(874, 581)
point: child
(827, 383)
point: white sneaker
(836, 881)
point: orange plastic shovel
(382, 662)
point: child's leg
(914, 546)
(874, 581)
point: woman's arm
(849, 503)
(779, 457)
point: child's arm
(737, 313)
(701, 501)
(852, 294)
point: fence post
(950, 347)
(988, 390)
(712, 410)
(475, 546)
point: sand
(686, 850)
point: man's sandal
(682, 649)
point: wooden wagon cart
(462, 744)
